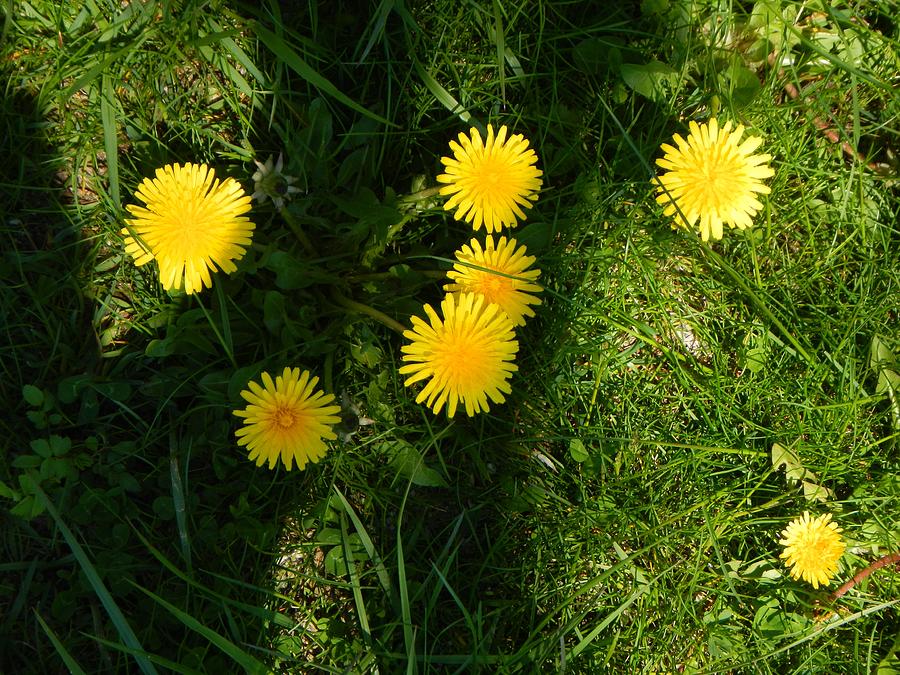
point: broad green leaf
(115, 391)
(273, 311)
(8, 492)
(239, 380)
(795, 472)
(336, 559)
(577, 451)
(744, 84)
(41, 446)
(649, 79)
(408, 462)
(883, 361)
(159, 348)
(70, 388)
(33, 396)
(755, 349)
(649, 7)
(291, 273)
(27, 461)
(367, 354)
(814, 492)
(793, 468)
(60, 445)
(28, 508)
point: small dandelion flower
(513, 295)
(287, 419)
(490, 181)
(466, 356)
(712, 178)
(269, 182)
(191, 224)
(812, 548)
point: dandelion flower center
(712, 179)
(490, 181)
(493, 285)
(285, 418)
(462, 358)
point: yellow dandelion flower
(192, 224)
(712, 178)
(466, 357)
(812, 548)
(490, 181)
(287, 419)
(513, 295)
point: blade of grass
(596, 630)
(226, 343)
(445, 98)
(239, 54)
(158, 660)
(70, 662)
(238, 655)
(179, 502)
(296, 63)
(109, 604)
(110, 136)
(467, 616)
(405, 613)
(500, 42)
(818, 631)
(223, 316)
(262, 613)
(757, 301)
(380, 569)
(837, 61)
(376, 26)
(361, 613)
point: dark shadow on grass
(46, 335)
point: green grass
(676, 403)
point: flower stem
(421, 195)
(382, 276)
(884, 561)
(360, 308)
(298, 232)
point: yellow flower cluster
(192, 224)
(465, 353)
